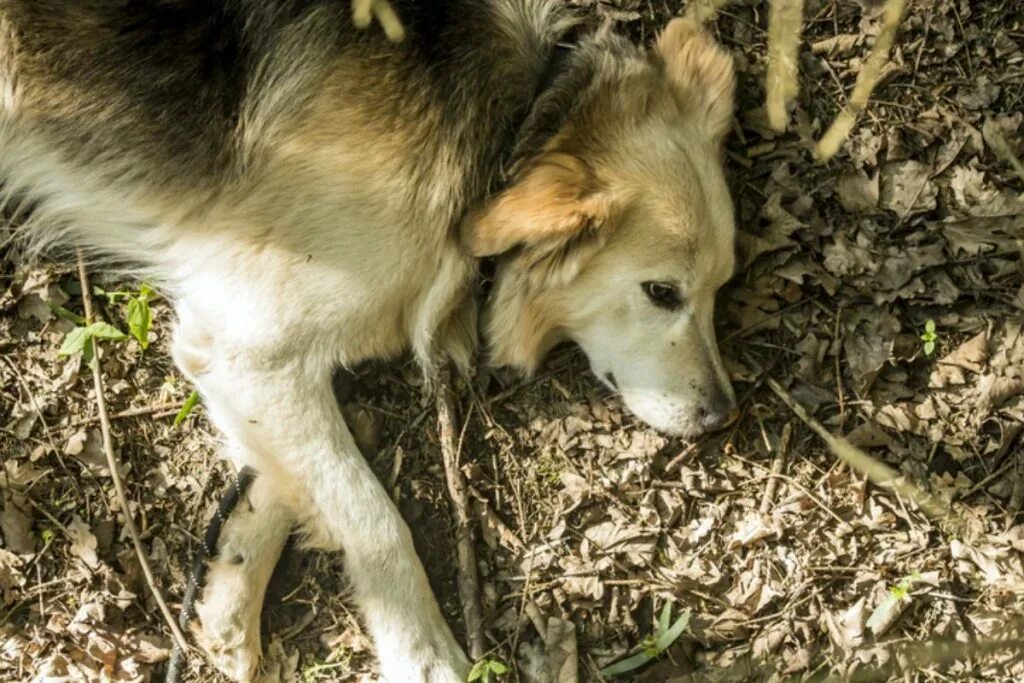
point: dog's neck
(567, 74)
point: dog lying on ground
(311, 195)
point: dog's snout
(719, 411)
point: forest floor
(884, 290)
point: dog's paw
(440, 662)
(239, 661)
(436, 670)
(364, 11)
(227, 625)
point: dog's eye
(662, 294)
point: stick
(158, 411)
(878, 472)
(867, 79)
(778, 464)
(115, 471)
(785, 22)
(469, 582)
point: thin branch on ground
(468, 579)
(867, 79)
(785, 24)
(115, 470)
(876, 471)
(156, 411)
(778, 464)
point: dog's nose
(719, 412)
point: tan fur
(701, 72)
(553, 202)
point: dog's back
(166, 109)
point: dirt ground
(884, 290)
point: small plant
(140, 317)
(485, 668)
(190, 403)
(77, 340)
(338, 662)
(896, 595)
(653, 645)
(929, 337)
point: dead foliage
(882, 290)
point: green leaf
(106, 331)
(664, 618)
(64, 313)
(140, 318)
(87, 352)
(626, 665)
(75, 341)
(666, 638)
(930, 326)
(929, 347)
(190, 403)
(483, 669)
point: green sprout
(653, 645)
(929, 337)
(485, 668)
(77, 340)
(896, 595)
(190, 403)
(140, 317)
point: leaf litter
(786, 562)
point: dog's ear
(700, 71)
(555, 200)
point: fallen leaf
(16, 525)
(906, 188)
(83, 543)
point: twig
(878, 472)
(469, 582)
(785, 21)
(157, 411)
(778, 464)
(867, 79)
(115, 471)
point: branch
(867, 79)
(875, 470)
(469, 582)
(115, 470)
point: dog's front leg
(238, 567)
(283, 411)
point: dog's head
(618, 231)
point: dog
(311, 193)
